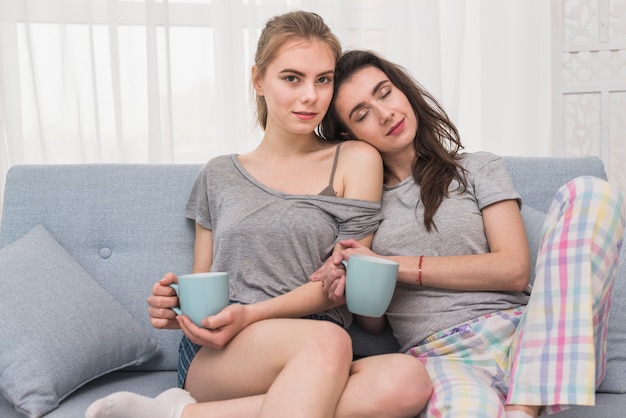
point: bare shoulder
(360, 153)
(360, 169)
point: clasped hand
(332, 274)
(216, 331)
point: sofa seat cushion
(608, 405)
(59, 329)
(147, 383)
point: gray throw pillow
(58, 329)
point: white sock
(517, 414)
(168, 404)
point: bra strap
(332, 173)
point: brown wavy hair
(280, 29)
(437, 142)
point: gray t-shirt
(270, 242)
(418, 312)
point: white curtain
(166, 81)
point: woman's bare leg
(241, 407)
(392, 385)
(289, 368)
(389, 385)
(301, 366)
(530, 410)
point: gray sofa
(81, 245)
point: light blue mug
(370, 283)
(201, 295)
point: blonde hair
(280, 29)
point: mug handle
(176, 309)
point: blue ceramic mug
(370, 283)
(201, 295)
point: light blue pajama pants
(551, 352)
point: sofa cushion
(123, 223)
(533, 223)
(147, 383)
(614, 381)
(59, 329)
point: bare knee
(321, 345)
(402, 387)
(409, 386)
(330, 344)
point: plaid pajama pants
(551, 352)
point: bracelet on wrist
(419, 273)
